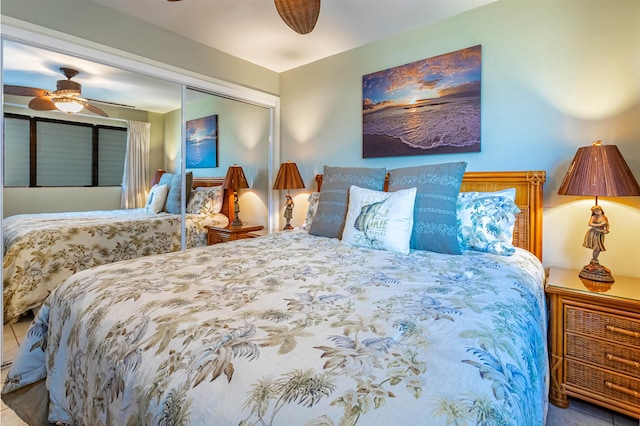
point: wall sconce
(288, 178)
(235, 179)
(598, 170)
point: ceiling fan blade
(94, 109)
(42, 103)
(24, 91)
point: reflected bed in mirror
(165, 143)
(43, 250)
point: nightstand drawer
(601, 325)
(218, 237)
(619, 358)
(606, 385)
(594, 338)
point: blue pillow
(334, 196)
(174, 198)
(435, 224)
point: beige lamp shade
(599, 171)
(288, 177)
(300, 15)
(235, 179)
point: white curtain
(136, 165)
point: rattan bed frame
(527, 232)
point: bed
(298, 328)
(42, 250)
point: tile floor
(578, 414)
(11, 336)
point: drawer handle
(622, 389)
(625, 361)
(629, 333)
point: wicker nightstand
(594, 341)
(216, 235)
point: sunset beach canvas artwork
(202, 142)
(430, 106)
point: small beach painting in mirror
(430, 106)
(202, 142)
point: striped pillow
(435, 223)
(334, 196)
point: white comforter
(294, 329)
(42, 250)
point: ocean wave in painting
(453, 122)
(201, 153)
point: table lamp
(235, 179)
(288, 178)
(598, 171)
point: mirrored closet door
(112, 96)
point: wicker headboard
(527, 232)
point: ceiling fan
(65, 98)
(300, 15)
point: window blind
(64, 155)
(112, 145)
(16, 152)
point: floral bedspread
(43, 250)
(293, 329)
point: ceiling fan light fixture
(65, 99)
(300, 15)
(68, 105)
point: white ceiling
(24, 65)
(253, 30)
(249, 29)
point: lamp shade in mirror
(235, 179)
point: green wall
(556, 75)
(243, 139)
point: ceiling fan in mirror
(65, 98)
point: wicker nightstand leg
(556, 329)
